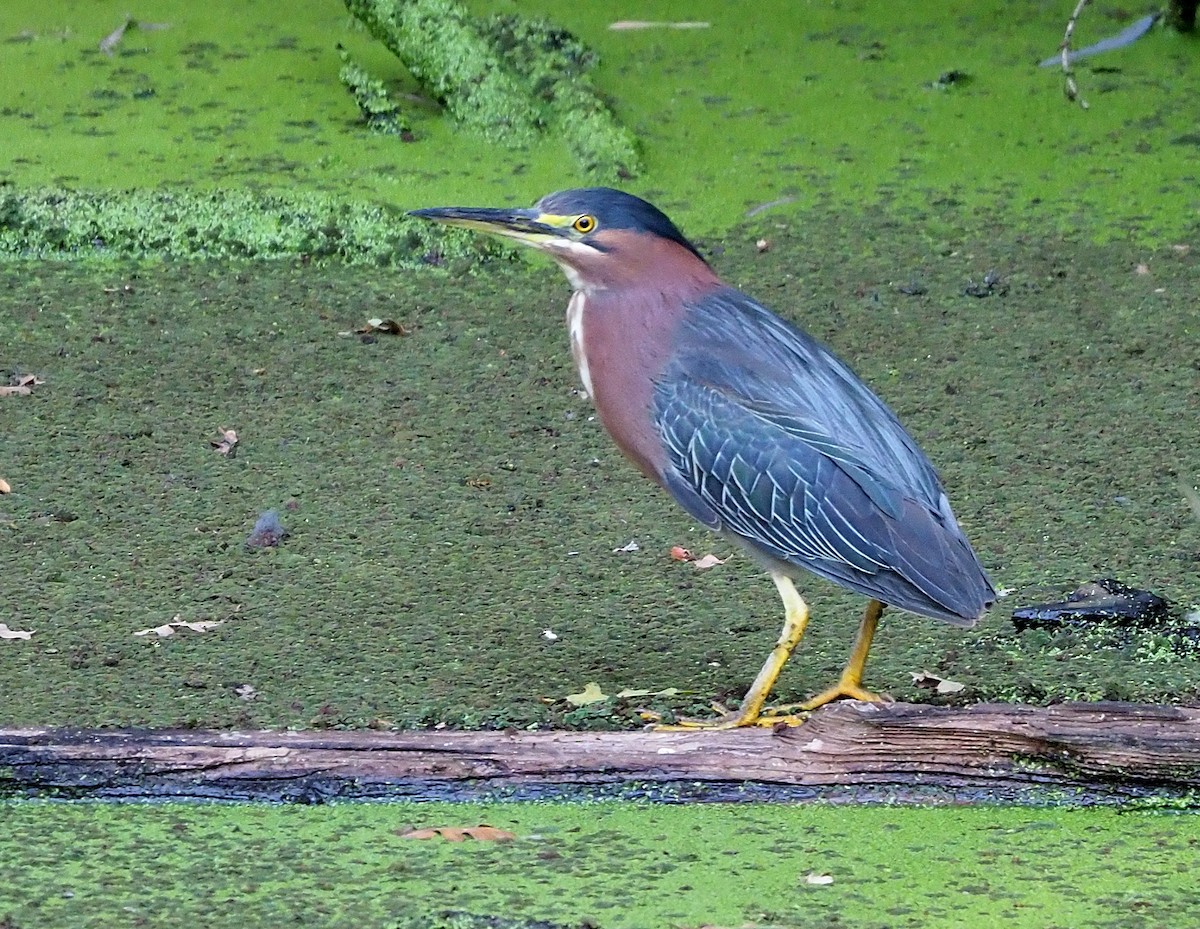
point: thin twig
(1071, 90)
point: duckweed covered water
(450, 496)
(607, 866)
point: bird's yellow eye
(584, 224)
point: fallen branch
(1002, 750)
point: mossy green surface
(606, 866)
(443, 49)
(381, 112)
(454, 496)
(832, 104)
(221, 224)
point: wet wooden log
(986, 750)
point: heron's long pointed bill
(523, 225)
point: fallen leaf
(818, 879)
(630, 546)
(167, 629)
(486, 833)
(481, 833)
(202, 625)
(387, 326)
(109, 43)
(163, 631)
(679, 553)
(227, 443)
(4, 488)
(762, 245)
(6, 633)
(927, 681)
(591, 693)
(22, 386)
(626, 25)
(669, 692)
(1141, 268)
(708, 561)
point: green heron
(755, 428)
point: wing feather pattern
(772, 438)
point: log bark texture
(903, 750)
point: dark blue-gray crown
(615, 209)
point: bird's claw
(842, 690)
(733, 719)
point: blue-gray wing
(772, 438)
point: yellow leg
(849, 685)
(750, 713)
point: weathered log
(907, 750)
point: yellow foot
(733, 719)
(842, 690)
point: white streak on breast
(575, 327)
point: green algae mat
(450, 498)
(232, 135)
(459, 527)
(599, 865)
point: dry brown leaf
(480, 833)
(6, 633)
(4, 488)
(708, 561)
(485, 833)
(227, 444)
(22, 386)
